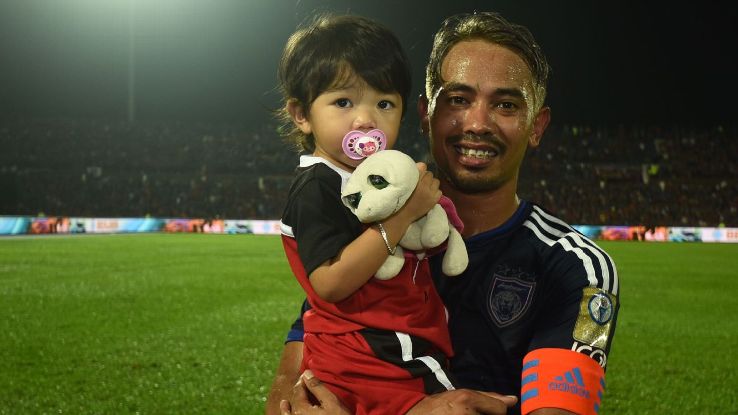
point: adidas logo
(571, 382)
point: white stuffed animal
(379, 187)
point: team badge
(509, 299)
(600, 308)
(596, 311)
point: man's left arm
(564, 371)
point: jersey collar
(309, 160)
(512, 222)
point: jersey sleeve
(582, 320)
(581, 287)
(565, 365)
(321, 225)
(297, 331)
(566, 360)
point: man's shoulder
(563, 247)
(549, 230)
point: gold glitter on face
(482, 117)
(522, 76)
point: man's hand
(464, 402)
(307, 390)
(311, 397)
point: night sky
(613, 62)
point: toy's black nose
(353, 199)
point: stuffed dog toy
(379, 187)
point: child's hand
(424, 197)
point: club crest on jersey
(508, 299)
(600, 308)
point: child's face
(359, 107)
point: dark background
(613, 62)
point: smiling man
(527, 315)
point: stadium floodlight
(134, 11)
(131, 89)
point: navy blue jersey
(532, 283)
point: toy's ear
(299, 115)
(401, 170)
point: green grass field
(191, 323)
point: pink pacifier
(358, 145)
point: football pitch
(193, 323)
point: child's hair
(328, 53)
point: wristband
(386, 239)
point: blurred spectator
(622, 175)
(636, 175)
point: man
(534, 314)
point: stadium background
(127, 108)
(133, 115)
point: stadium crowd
(621, 175)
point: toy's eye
(353, 199)
(378, 181)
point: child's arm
(336, 279)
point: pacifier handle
(358, 145)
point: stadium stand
(622, 175)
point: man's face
(482, 119)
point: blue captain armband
(295, 335)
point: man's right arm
(288, 371)
(286, 376)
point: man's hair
(328, 53)
(493, 28)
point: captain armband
(564, 379)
